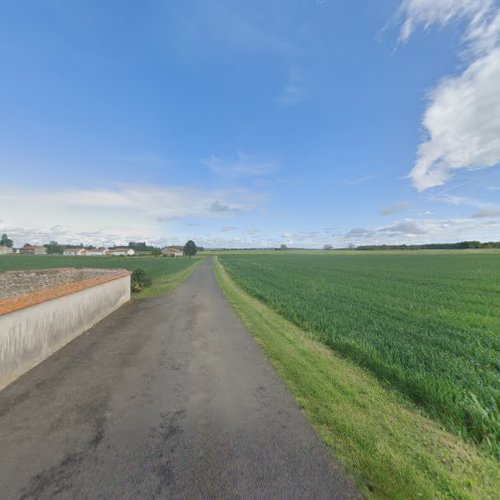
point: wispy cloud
(406, 228)
(212, 29)
(462, 119)
(429, 12)
(396, 208)
(487, 213)
(243, 165)
(217, 207)
(362, 180)
(203, 30)
(360, 232)
(293, 91)
(485, 209)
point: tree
(6, 241)
(327, 247)
(283, 247)
(156, 252)
(190, 248)
(54, 248)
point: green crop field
(162, 270)
(427, 325)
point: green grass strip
(390, 449)
(167, 282)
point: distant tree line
(141, 246)
(462, 245)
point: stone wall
(26, 282)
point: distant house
(74, 251)
(28, 249)
(86, 252)
(172, 252)
(97, 252)
(121, 251)
(5, 250)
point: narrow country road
(166, 398)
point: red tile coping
(22, 301)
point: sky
(250, 124)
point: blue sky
(235, 123)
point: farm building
(5, 250)
(121, 251)
(97, 252)
(28, 249)
(93, 252)
(172, 252)
(74, 251)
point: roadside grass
(167, 282)
(166, 272)
(389, 447)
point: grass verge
(164, 284)
(390, 449)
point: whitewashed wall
(30, 335)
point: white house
(87, 252)
(28, 249)
(74, 251)
(172, 252)
(5, 250)
(118, 251)
(97, 252)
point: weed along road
(168, 397)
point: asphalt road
(166, 398)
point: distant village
(53, 248)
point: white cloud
(243, 166)
(108, 215)
(407, 228)
(396, 208)
(430, 12)
(462, 119)
(427, 230)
